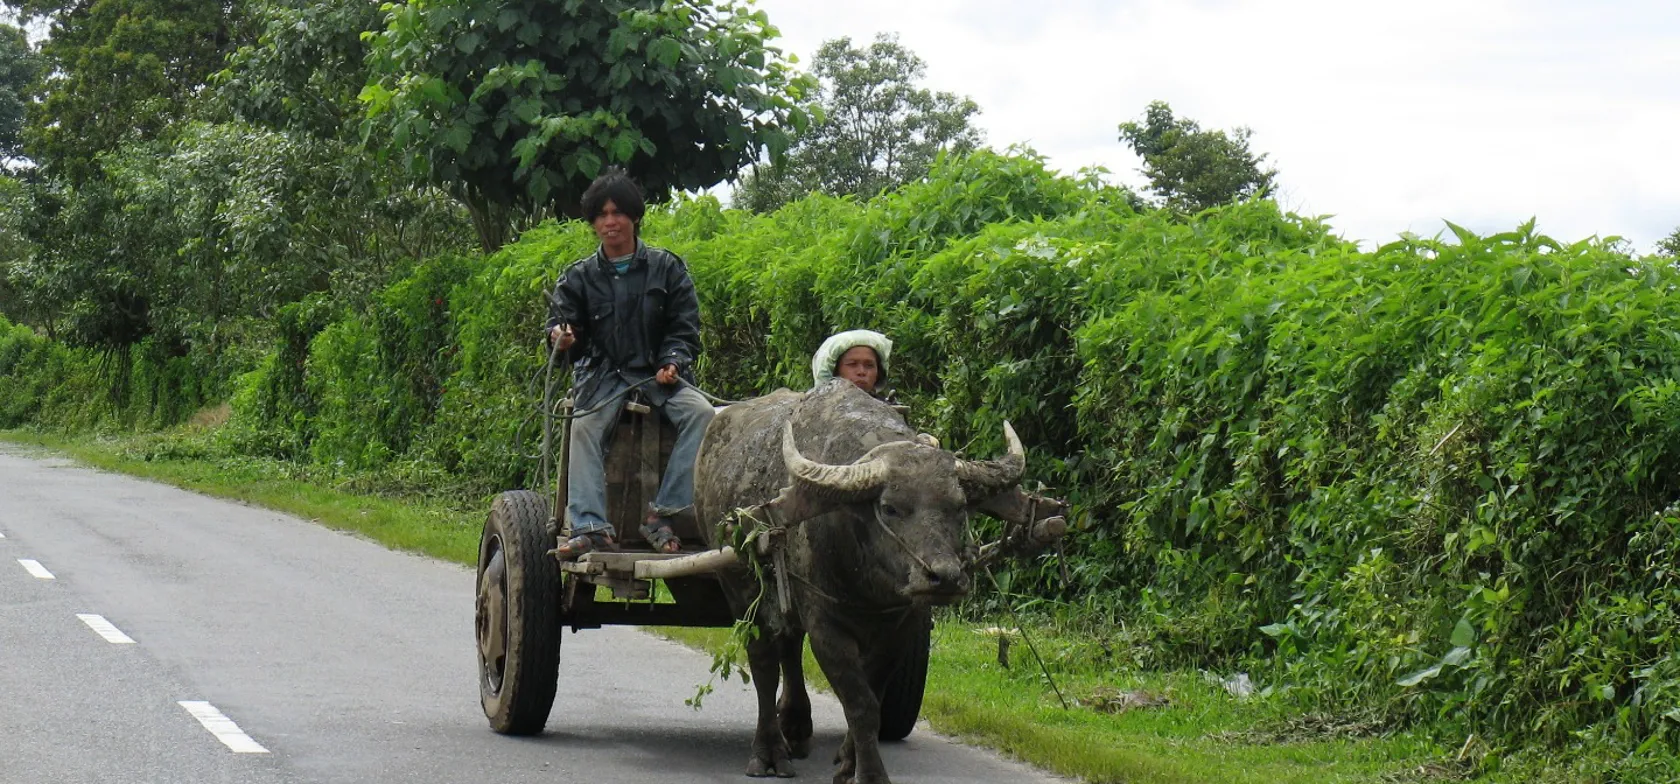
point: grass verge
(1133, 726)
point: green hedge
(44, 383)
(1435, 479)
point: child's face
(858, 366)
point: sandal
(576, 546)
(657, 531)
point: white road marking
(2, 536)
(222, 727)
(105, 628)
(34, 567)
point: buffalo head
(912, 501)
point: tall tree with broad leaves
(1190, 169)
(363, 216)
(20, 67)
(120, 70)
(305, 69)
(516, 107)
(879, 128)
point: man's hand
(667, 375)
(561, 336)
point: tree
(226, 222)
(301, 80)
(516, 107)
(20, 66)
(879, 129)
(1670, 245)
(82, 281)
(306, 68)
(1191, 169)
(120, 70)
(16, 210)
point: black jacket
(628, 325)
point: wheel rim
(492, 620)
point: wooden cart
(526, 596)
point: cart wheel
(901, 696)
(518, 615)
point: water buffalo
(876, 535)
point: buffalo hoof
(760, 768)
(796, 728)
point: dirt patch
(214, 416)
(1111, 700)
(1310, 727)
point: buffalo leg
(769, 750)
(845, 761)
(794, 709)
(860, 754)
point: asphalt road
(263, 648)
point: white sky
(1390, 116)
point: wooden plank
(626, 561)
(698, 563)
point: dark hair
(615, 186)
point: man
(628, 317)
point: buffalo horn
(981, 478)
(850, 482)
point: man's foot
(657, 531)
(576, 546)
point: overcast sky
(1390, 117)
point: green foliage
(840, 266)
(1670, 246)
(17, 216)
(20, 67)
(1418, 472)
(486, 435)
(376, 377)
(25, 364)
(120, 71)
(44, 383)
(226, 222)
(878, 129)
(154, 223)
(516, 108)
(306, 68)
(1191, 169)
(273, 408)
(68, 281)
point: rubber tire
(519, 521)
(901, 695)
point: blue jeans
(586, 479)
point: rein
(898, 609)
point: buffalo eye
(889, 510)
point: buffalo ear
(791, 507)
(982, 479)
